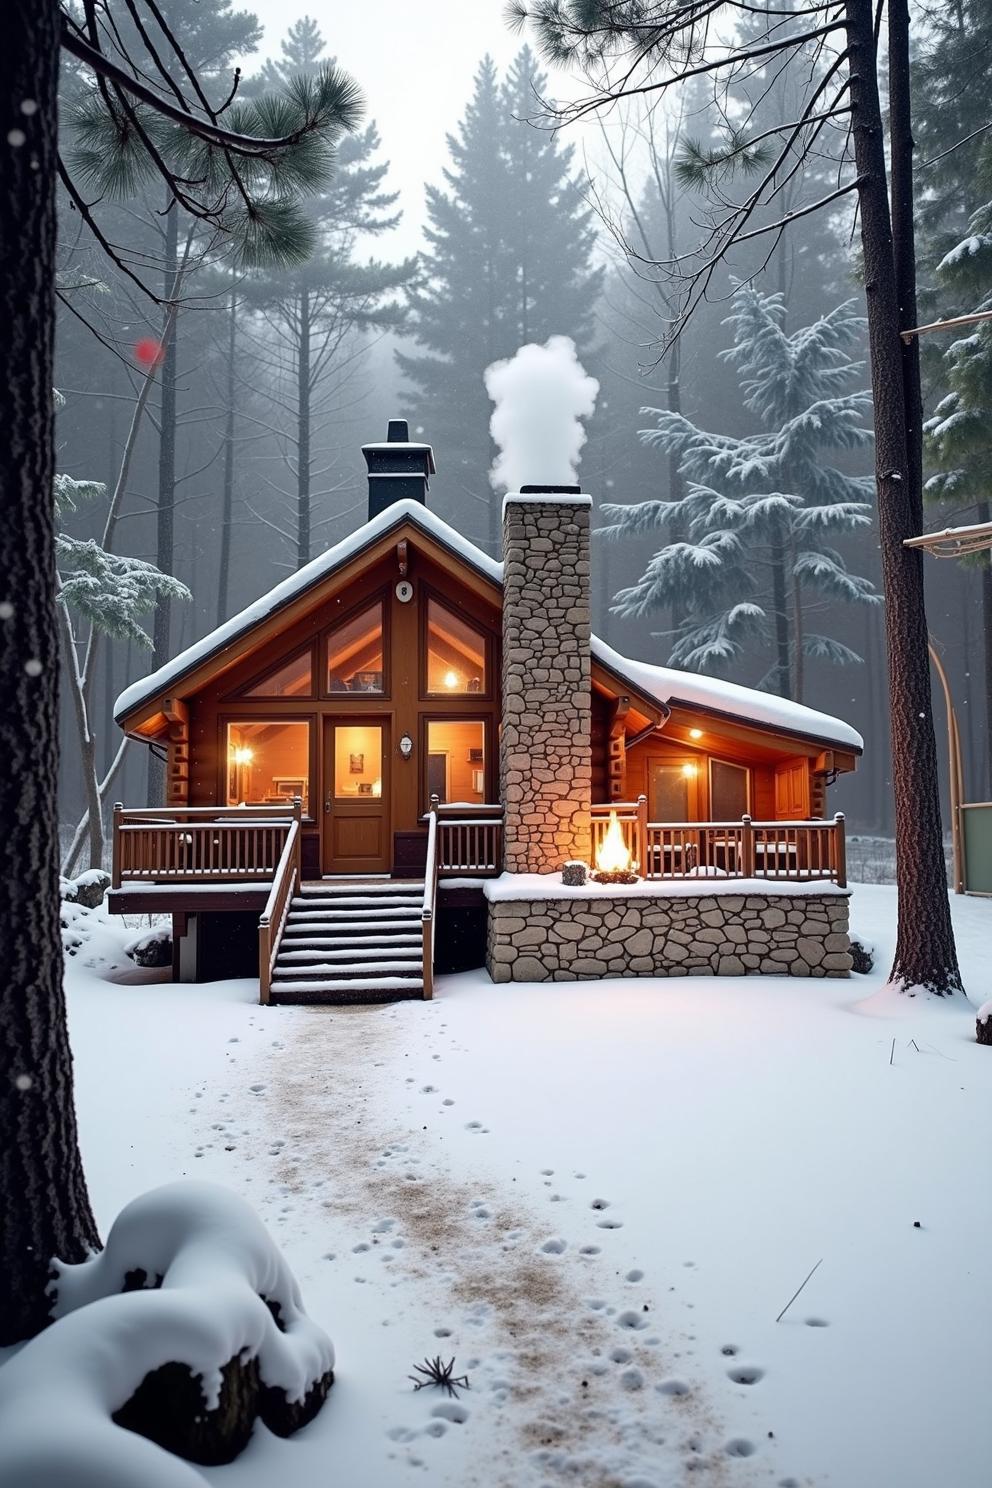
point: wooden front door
(356, 835)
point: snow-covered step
(356, 984)
(372, 890)
(350, 969)
(377, 942)
(401, 915)
(387, 933)
(368, 955)
(311, 902)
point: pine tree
(759, 510)
(316, 314)
(956, 261)
(508, 262)
(959, 435)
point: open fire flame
(612, 855)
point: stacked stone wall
(576, 939)
(545, 745)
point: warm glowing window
(671, 791)
(355, 652)
(292, 679)
(456, 654)
(268, 763)
(358, 761)
(728, 791)
(456, 760)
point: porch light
(242, 755)
(695, 733)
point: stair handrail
(430, 897)
(272, 920)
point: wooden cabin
(370, 684)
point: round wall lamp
(406, 746)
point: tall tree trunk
(780, 607)
(165, 535)
(984, 515)
(85, 742)
(303, 436)
(44, 1207)
(227, 500)
(925, 955)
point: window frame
(678, 762)
(241, 693)
(430, 596)
(224, 722)
(715, 759)
(426, 719)
(324, 693)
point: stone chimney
(398, 470)
(545, 745)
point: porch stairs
(352, 941)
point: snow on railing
(199, 844)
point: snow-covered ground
(598, 1197)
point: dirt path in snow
(578, 1380)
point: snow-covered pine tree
(108, 592)
(759, 512)
(959, 435)
(508, 262)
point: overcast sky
(414, 60)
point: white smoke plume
(541, 396)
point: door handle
(327, 805)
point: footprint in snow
(555, 1246)
(600, 1204)
(730, 1349)
(816, 1322)
(451, 1410)
(609, 1224)
(589, 1250)
(745, 1374)
(633, 1321)
(674, 1387)
(740, 1447)
(634, 1275)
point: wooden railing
(776, 850)
(429, 904)
(200, 844)
(470, 839)
(272, 921)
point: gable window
(456, 760)
(729, 791)
(268, 762)
(456, 654)
(355, 654)
(291, 679)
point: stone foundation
(580, 938)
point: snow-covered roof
(218, 641)
(745, 704)
(664, 684)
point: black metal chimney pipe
(399, 470)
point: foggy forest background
(245, 458)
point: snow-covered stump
(187, 1329)
(983, 1024)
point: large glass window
(355, 654)
(456, 760)
(358, 761)
(728, 791)
(292, 679)
(671, 791)
(456, 654)
(268, 763)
